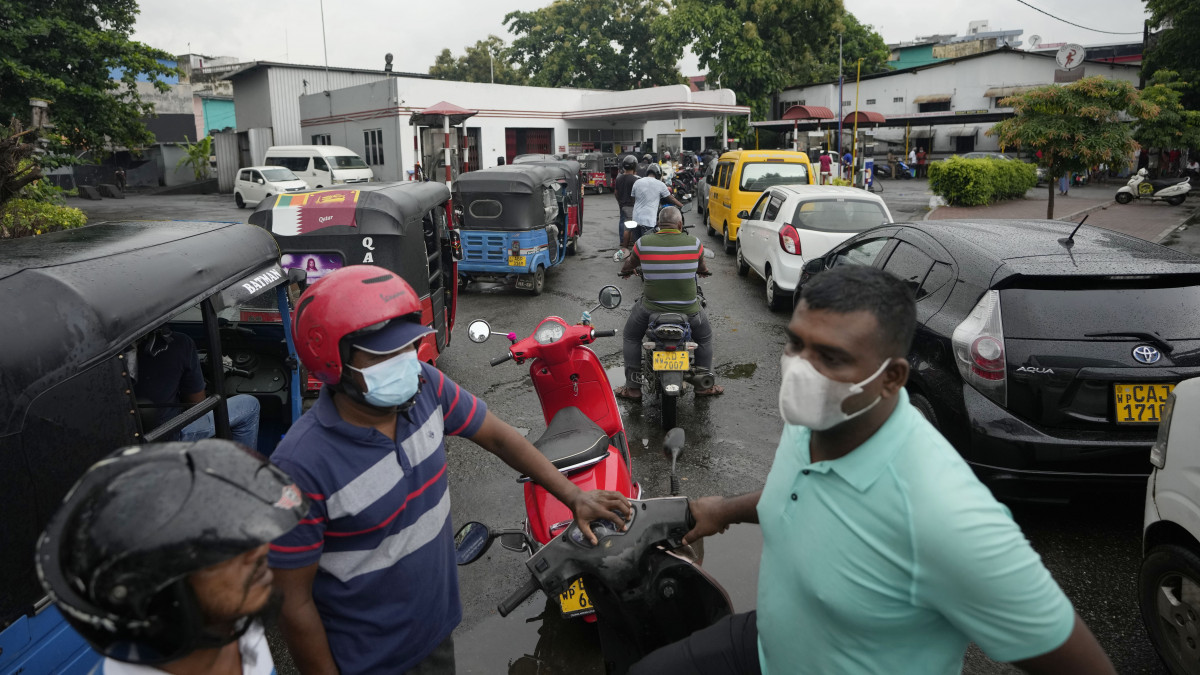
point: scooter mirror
(610, 297)
(296, 276)
(673, 443)
(471, 542)
(514, 541)
(479, 331)
(631, 224)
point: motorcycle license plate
(671, 360)
(1141, 403)
(516, 261)
(574, 601)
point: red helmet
(345, 302)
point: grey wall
(287, 85)
(378, 95)
(252, 96)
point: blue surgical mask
(393, 382)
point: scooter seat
(572, 440)
(1165, 183)
(668, 317)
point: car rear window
(838, 215)
(1072, 314)
(758, 176)
(279, 174)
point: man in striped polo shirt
(670, 262)
(369, 578)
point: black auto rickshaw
(398, 226)
(513, 221)
(571, 177)
(80, 307)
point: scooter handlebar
(501, 359)
(607, 332)
(513, 601)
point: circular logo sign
(1146, 354)
(1070, 56)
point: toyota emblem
(1146, 354)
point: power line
(1094, 30)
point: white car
(257, 183)
(790, 224)
(1169, 582)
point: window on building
(321, 139)
(870, 101)
(373, 145)
(939, 106)
(847, 103)
(898, 99)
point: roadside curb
(931, 212)
(1084, 212)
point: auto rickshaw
(599, 170)
(513, 221)
(398, 226)
(80, 307)
(570, 176)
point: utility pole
(324, 45)
(492, 65)
(840, 114)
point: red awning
(433, 115)
(864, 117)
(808, 112)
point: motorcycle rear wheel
(670, 408)
(1124, 197)
(1175, 201)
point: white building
(945, 107)
(286, 104)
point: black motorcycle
(646, 587)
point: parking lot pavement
(1033, 205)
(1152, 221)
(218, 208)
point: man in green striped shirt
(670, 260)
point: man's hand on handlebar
(706, 511)
(591, 505)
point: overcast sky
(359, 32)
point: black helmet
(654, 169)
(647, 157)
(629, 162)
(116, 556)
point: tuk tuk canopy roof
(374, 208)
(435, 115)
(513, 178)
(74, 297)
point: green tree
(486, 61)
(66, 51)
(1074, 127)
(1173, 46)
(196, 155)
(1175, 126)
(756, 47)
(859, 41)
(601, 44)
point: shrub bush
(27, 217)
(974, 182)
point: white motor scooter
(1170, 190)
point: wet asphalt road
(1093, 549)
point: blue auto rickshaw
(513, 223)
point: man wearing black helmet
(647, 160)
(181, 587)
(624, 193)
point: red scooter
(584, 437)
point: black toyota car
(1044, 358)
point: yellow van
(739, 180)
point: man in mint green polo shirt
(882, 553)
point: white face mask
(809, 399)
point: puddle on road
(739, 371)
(536, 640)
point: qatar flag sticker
(307, 212)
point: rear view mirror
(814, 266)
(296, 276)
(471, 542)
(479, 331)
(743, 214)
(673, 443)
(610, 297)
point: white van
(321, 165)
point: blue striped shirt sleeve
(302, 545)
(462, 411)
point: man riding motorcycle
(644, 165)
(670, 260)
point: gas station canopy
(808, 112)
(864, 117)
(432, 116)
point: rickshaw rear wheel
(573, 246)
(539, 281)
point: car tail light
(1158, 451)
(979, 349)
(789, 239)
